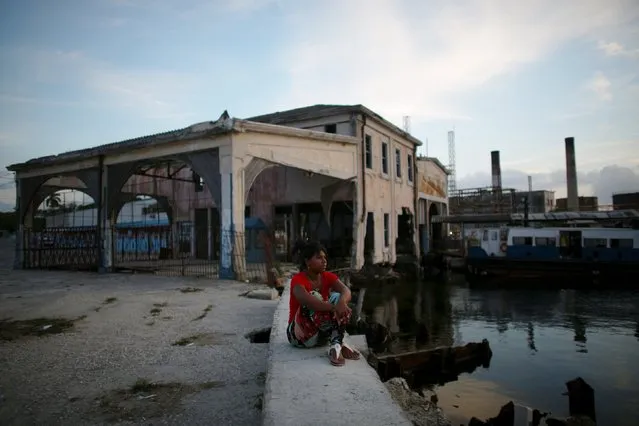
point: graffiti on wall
(147, 241)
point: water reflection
(540, 339)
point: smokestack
(571, 176)
(496, 168)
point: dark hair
(308, 250)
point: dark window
(410, 168)
(330, 128)
(522, 241)
(386, 229)
(595, 242)
(369, 151)
(485, 236)
(621, 243)
(398, 163)
(544, 241)
(385, 157)
(199, 182)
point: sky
(517, 77)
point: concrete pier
(302, 388)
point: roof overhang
(204, 130)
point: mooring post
(581, 398)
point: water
(540, 339)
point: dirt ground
(82, 348)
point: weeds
(190, 289)
(14, 330)
(204, 313)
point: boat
(568, 256)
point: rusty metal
(61, 248)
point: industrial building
(585, 204)
(626, 200)
(539, 201)
(340, 174)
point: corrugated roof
(192, 132)
(304, 113)
(208, 128)
(323, 110)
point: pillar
(192, 230)
(359, 226)
(18, 259)
(209, 233)
(232, 202)
(107, 217)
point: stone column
(209, 233)
(232, 247)
(107, 219)
(18, 259)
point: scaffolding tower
(452, 177)
(486, 200)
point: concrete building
(433, 199)
(388, 181)
(539, 201)
(290, 169)
(585, 204)
(626, 200)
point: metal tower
(407, 123)
(452, 178)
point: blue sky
(513, 76)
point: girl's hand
(342, 310)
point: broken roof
(321, 110)
(436, 161)
(208, 128)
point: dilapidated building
(340, 174)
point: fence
(61, 248)
(189, 253)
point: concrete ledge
(302, 388)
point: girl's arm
(305, 299)
(343, 290)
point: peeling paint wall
(180, 193)
(432, 185)
(387, 193)
(432, 179)
(284, 186)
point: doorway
(570, 244)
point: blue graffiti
(141, 242)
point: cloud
(599, 182)
(150, 93)
(401, 57)
(6, 207)
(617, 49)
(600, 86)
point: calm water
(540, 340)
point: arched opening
(290, 202)
(436, 236)
(63, 232)
(142, 230)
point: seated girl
(319, 307)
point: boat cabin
(609, 244)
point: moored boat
(564, 256)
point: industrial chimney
(571, 176)
(496, 170)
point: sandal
(349, 353)
(335, 355)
